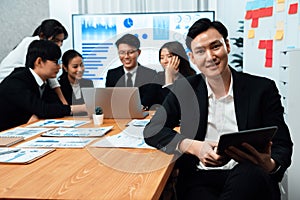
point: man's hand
(262, 159)
(204, 151)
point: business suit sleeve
(109, 79)
(176, 110)
(257, 103)
(282, 143)
(22, 96)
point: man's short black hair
(203, 25)
(129, 39)
(45, 49)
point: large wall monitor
(94, 36)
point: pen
(9, 151)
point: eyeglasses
(129, 52)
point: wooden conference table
(89, 173)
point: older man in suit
(131, 73)
(218, 101)
(25, 93)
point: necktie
(42, 87)
(129, 80)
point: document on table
(131, 137)
(57, 142)
(22, 156)
(139, 122)
(23, 132)
(59, 123)
(78, 132)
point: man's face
(128, 55)
(47, 69)
(210, 53)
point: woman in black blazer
(175, 63)
(71, 80)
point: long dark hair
(176, 48)
(50, 28)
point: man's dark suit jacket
(257, 104)
(143, 80)
(20, 99)
(67, 90)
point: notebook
(116, 102)
(258, 138)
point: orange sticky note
(254, 23)
(269, 53)
(279, 35)
(256, 13)
(268, 62)
(268, 11)
(293, 8)
(262, 44)
(269, 44)
(248, 14)
(280, 1)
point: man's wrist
(276, 168)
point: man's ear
(37, 62)
(228, 45)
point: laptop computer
(116, 102)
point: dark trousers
(245, 181)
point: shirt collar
(210, 92)
(131, 71)
(37, 78)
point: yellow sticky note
(280, 1)
(279, 35)
(251, 34)
(280, 7)
(280, 25)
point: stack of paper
(24, 132)
(22, 156)
(59, 123)
(57, 142)
(78, 132)
(130, 137)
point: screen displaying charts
(94, 36)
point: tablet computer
(258, 138)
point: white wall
(18, 19)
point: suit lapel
(139, 76)
(241, 100)
(120, 77)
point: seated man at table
(131, 73)
(25, 94)
(221, 100)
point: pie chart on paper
(128, 22)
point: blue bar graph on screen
(161, 26)
(95, 34)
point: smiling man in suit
(221, 100)
(26, 94)
(131, 73)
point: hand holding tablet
(258, 138)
